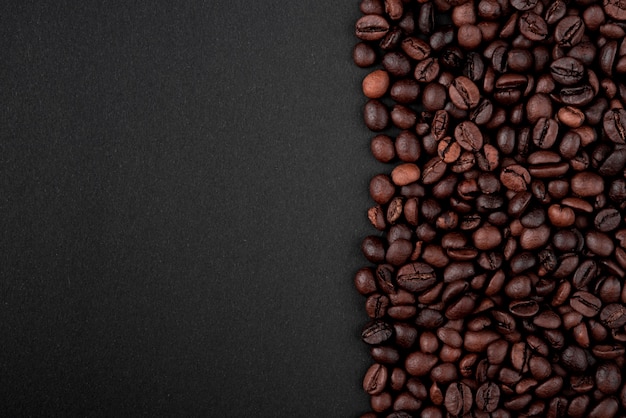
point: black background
(183, 194)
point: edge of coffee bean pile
(495, 277)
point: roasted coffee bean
(515, 178)
(614, 123)
(533, 27)
(468, 135)
(585, 303)
(464, 93)
(569, 31)
(376, 332)
(396, 63)
(375, 379)
(371, 27)
(376, 115)
(363, 55)
(459, 399)
(567, 71)
(613, 315)
(416, 277)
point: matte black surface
(183, 194)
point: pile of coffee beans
(496, 284)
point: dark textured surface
(183, 194)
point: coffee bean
(587, 184)
(515, 178)
(464, 93)
(420, 364)
(615, 9)
(434, 96)
(376, 115)
(375, 379)
(569, 31)
(574, 359)
(533, 27)
(376, 332)
(459, 399)
(607, 408)
(614, 123)
(613, 315)
(371, 27)
(381, 189)
(416, 277)
(415, 48)
(585, 303)
(608, 378)
(567, 71)
(363, 55)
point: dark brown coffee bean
(363, 55)
(534, 238)
(459, 399)
(585, 273)
(599, 243)
(524, 308)
(587, 184)
(376, 306)
(515, 178)
(394, 9)
(547, 320)
(555, 12)
(613, 315)
(397, 64)
(468, 136)
(373, 248)
(440, 123)
(416, 277)
(578, 406)
(407, 147)
(478, 341)
(607, 220)
(533, 26)
(577, 96)
(488, 397)
(381, 189)
(427, 70)
(574, 359)
(434, 96)
(382, 148)
(615, 9)
(569, 31)
(550, 387)
(375, 379)
(364, 281)
(434, 170)
(375, 115)
(545, 133)
(585, 303)
(420, 364)
(384, 278)
(567, 71)
(464, 93)
(371, 27)
(399, 252)
(415, 48)
(376, 332)
(614, 123)
(448, 150)
(607, 408)
(608, 378)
